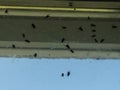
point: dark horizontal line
(82, 49)
(58, 18)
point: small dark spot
(28, 41)
(62, 75)
(35, 55)
(70, 4)
(93, 25)
(33, 25)
(89, 18)
(71, 51)
(102, 40)
(68, 73)
(64, 27)
(13, 46)
(93, 36)
(114, 26)
(96, 40)
(47, 16)
(67, 46)
(97, 58)
(80, 28)
(93, 30)
(6, 11)
(63, 39)
(23, 35)
(74, 8)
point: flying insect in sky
(68, 73)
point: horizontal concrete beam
(62, 3)
(57, 32)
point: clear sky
(45, 74)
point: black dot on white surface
(93, 30)
(23, 35)
(71, 51)
(93, 25)
(93, 36)
(6, 11)
(114, 26)
(63, 39)
(33, 25)
(96, 40)
(80, 28)
(13, 46)
(102, 40)
(70, 4)
(74, 8)
(67, 46)
(88, 18)
(47, 16)
(64, 27)
(35, 54)
(28, 41)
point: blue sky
(45, 74)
